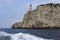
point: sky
(12, 11)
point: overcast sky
(12, 11)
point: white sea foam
(22, 36)
(4, 34)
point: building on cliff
(30, 7)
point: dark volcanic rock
(46, 15)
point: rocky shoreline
(44, 16)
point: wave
(22, 36)
(2, 33)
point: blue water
(43, 33)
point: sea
(29, 34)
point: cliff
(45, 15)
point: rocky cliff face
(46, 15)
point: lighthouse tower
(30, 7)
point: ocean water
(29, 34)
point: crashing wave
(2, 33)
(22, 36)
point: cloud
(55, 1)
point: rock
(46, 15)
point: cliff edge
(45, 15)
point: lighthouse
(30, 7)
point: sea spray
(22, 36)
(2, 33)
